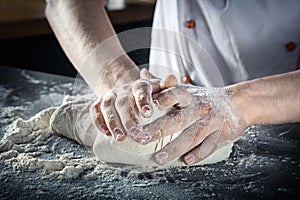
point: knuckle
(110, 119)
(122, 101)
(141, 84)
(125, 87)
(111, 124)
(108, 100)
(142, 98)
(181, 92)
(107, 103)
(128, 124)
(132, 116)
(95, 116)
(167, 95)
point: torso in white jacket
(217, 43)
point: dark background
(43, 53)
(27, 42)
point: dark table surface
(265, 163)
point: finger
(168, 82)
(210, 133)
(142, 92)
(185, 142)
(97, 117)
(154, 81)
(145, 74)
(179, 146)
(157, 84)
(173, 96)
(173, 122)
(205, 149)
(111, 117)
(125, 107)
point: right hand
(206, 124)
(116, 112)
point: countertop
(265, 163)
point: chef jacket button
(190, 24)
(186, 79)
(291, 46)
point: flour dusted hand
(116, 113)
(208, 123)
(184, 110)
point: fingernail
(145, 138)
(189, 159)
(103, 128)
(147, 111)
(134, 131)
(119, 134)
(161, 157)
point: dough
(72, 120)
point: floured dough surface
(108, 150)
(72, 120)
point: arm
(269, 100)
(87, 37)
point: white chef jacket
(221, 42)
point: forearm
(270, 100)
(81, 28)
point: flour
(26, 146)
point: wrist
(269, 100)
(124, 72)
(105, 68)
(121, 71)
(241, 104)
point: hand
(117, 112)
(209, 122)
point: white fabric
(236, 39)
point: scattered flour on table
(31, 146)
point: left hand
(117, 112)
(200, 137)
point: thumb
(145, 74)
(168, 82)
